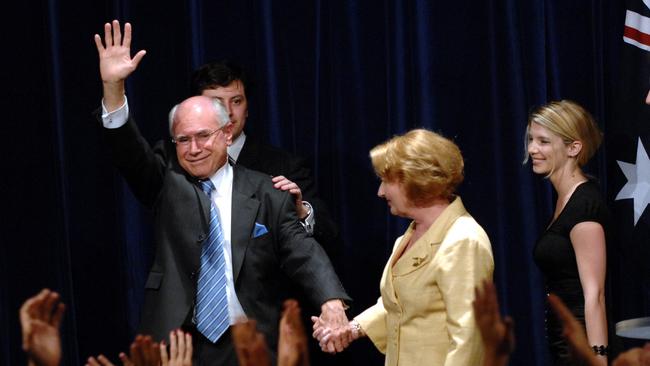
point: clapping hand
(143, 352)
(180, 349)
(497, 332)
(40, 318)
(636, 356)
(292, 345)
(250, 344)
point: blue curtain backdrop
(333, 79)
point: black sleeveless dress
(555, 257)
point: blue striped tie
(211, 299)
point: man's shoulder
(272, 160)
(246, 179)
(268, 151)
(250, 174)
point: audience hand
(284, 184)
(143, 352)
(101, 360)
(292, 344)
(250, 345)
(497, 333)
(40, 318)
(180, 349)
(634, 357)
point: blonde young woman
(571, 252)
(425, 315)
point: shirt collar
(235, 148)
(222, 179)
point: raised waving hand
(115, 61)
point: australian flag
(628, 143)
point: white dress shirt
(222, 197)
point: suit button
(193, 275)
(200, 238)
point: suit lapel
(389, 272)
(418, 255)
(244, 212)
(427, 246)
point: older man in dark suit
(227, 242)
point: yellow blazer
(425, 315)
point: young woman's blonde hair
(571, 122)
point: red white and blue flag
(627, 136)
(637, 28)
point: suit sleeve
(462, 265)
(304, 260)
(373, 323)
(141, 166)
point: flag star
(638, 181)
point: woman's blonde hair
(571, 122)
(427, 165)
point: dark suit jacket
(262, 266)
(275, 161)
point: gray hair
(222, 115)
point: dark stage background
(334, 78)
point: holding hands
(332, 329)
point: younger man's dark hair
(218, 74)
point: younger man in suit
(229, 83)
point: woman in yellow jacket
(425, 315)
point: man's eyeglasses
(200, 137)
